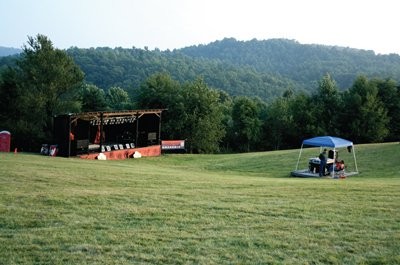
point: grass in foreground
(202, 209)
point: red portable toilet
(5, 141)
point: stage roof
(113, 117)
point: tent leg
(334, 163)
(355, 161)
(298, 160)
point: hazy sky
(169, 24)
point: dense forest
(128, 68)
(265, 69)
(261, 68)
(304, 64)
(220, 97)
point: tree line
(45, 81)
(368, 112)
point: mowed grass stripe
(202, 209)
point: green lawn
(199, 209)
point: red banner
(173, 144)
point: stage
(154, 150)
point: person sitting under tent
(339, 166)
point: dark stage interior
(90, 132)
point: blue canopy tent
(325, 141)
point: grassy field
(199, 209)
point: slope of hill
(254, 68)
(128, 68)
(202, 209)
(303, 63)
(262, 68)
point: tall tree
(389, 93)
(226, 104)
(203, 117)
(365, 117)
(118, 99)
(278, 122)
(93, 98)
(193, 111)
(327, 102)
(246, 122)
(160, 91)
(10, 92)
(47, 80)
(49, 75)
(303, 122)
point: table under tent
(311, 169)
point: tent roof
(327, 141)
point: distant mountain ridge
(303, 63)
(7, 51)
(261, 68)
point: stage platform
(305, 173)
(154, 150)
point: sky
(174, 24)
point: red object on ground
(53, 150)
(5, 141)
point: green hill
(302, 63)
(252, 68)
(262, 68)
(129, 68)
(203, 209)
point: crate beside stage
(85, 134)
